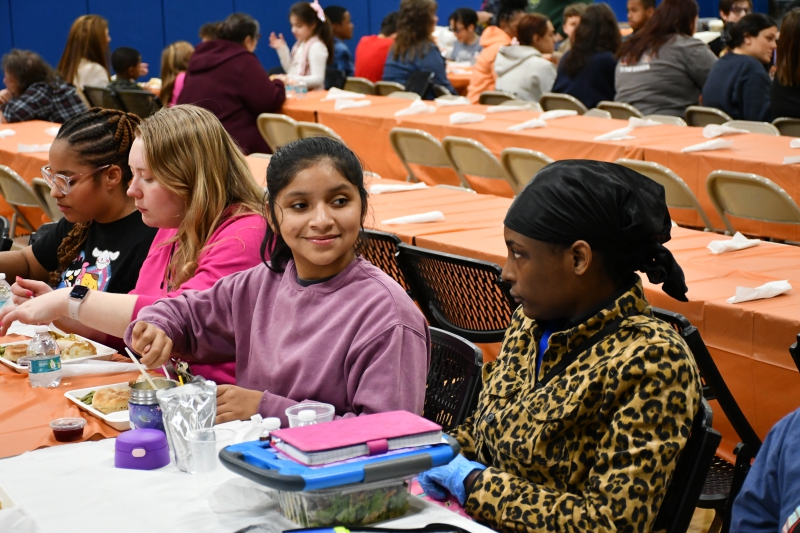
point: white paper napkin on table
(431, 216)
(616, 135)
(52, 132)
(25, 148)
(557, 113)
(93, 366)
(717, 130)
(444, 101)
(791, 159)
(417, 107)
(466, 118)
(7, 133)
(381, 188)
(527, 125)
(346, 103)
(794, 143)
(335, 94)
(716, 144)
(767, 290)
(507, 108)
(636, 122)
(738, 242)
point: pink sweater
(233, 247)
(177, 88)
(356, 341)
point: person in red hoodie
(372, 50)
(225, 77)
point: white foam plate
(119, 420)
(7, 503)
(103, 353)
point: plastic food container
(354, 505)
(141, 449)
(143, 408)
(324, 412)
(67, 429)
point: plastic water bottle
(307, 417)
(44, 359)
(291, 89)
(301, 90)
(5, 290)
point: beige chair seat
(522, 165)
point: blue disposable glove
(437, 482)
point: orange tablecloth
(459, 81)
(258, 168)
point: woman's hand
(236, 403)
(5, 96)
(41, 310)
(276, 42)
(25, 289)
(151, 343)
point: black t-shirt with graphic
(110, 258)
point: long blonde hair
(87, 40)
(191, 155)
(174, 60)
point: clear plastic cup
(325, 412)
(205, 445)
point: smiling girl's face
(300, 30)
(318, 214)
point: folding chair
(441, 90)
(750, 196)
(418, 147)
(495, 97)
(454, 379)
(420, 82)
(599, 113)
(312, 129)
(697, 115)
(18, 194)
(522, 165)
(667, 119)
(469, 157)
(405, 95)
(385, 88)
(620, 110)
(551, 101)
(260, 156)
(794, 351)
(6, 242)
(277, 130)
(765, 128)
(334, 77)
(102, 97)
(380, 249)
(678, 194)
(141, 103)
(514, 102)
(359, 85)
(689, 476)
(41, 189)
(789, 127)
(461, 295)
(724, 480)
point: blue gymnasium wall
(149, 25)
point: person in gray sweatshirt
(523, 69)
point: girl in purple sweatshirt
(316, 322)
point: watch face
(79, 292)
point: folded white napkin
(7, 133)
(346, 103)
(466, 118)
(417, 107)
(717, 130)
(432, 216)
(459, 64)
(335, 94)
(636, 122)
(444, 101)
(381, 188)
(557, 113)
(767, 290)
(791, 159)
(716, 144)
(616, 135)
(460, 71)
(527, 125)
(52, 132)
(795, 143)
(507, 108)
(738, 242)
(25, 148)
(93, 366)
(14, 519)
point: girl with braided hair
(101, 242)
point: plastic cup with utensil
(324, 411)
(205, 445)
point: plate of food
(109, 403)
(74, 349)
(6, 502)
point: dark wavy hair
(414, 29)
(287, 162)
(597, 32)
(237, 27)
(531, 26)
(672, 17)
(28, 68)
(321, 29)
(787, 63)
(748, 26)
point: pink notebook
(347, 438)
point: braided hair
(99, 137)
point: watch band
(74, 308)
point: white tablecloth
(75, 488)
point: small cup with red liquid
(68, 429)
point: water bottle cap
(41, 329)
(272, 423)
(2, 276)
(307, 415)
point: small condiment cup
(68, 429)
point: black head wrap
(618, 211)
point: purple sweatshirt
(356, 341)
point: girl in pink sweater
(316, 322)
(192, 182)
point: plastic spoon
(141, 368)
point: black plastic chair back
(795, 352)
(141, 103)
(690, 474)
(6, 242)
(335, 77)
(380, 249)
(420, 82)
(41, 231)
(102, 97)
(461, 295)
(454, 379)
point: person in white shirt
(312, 52)
(523, 69)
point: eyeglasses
(64, 183)
(741, 10)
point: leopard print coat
(594, 449)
